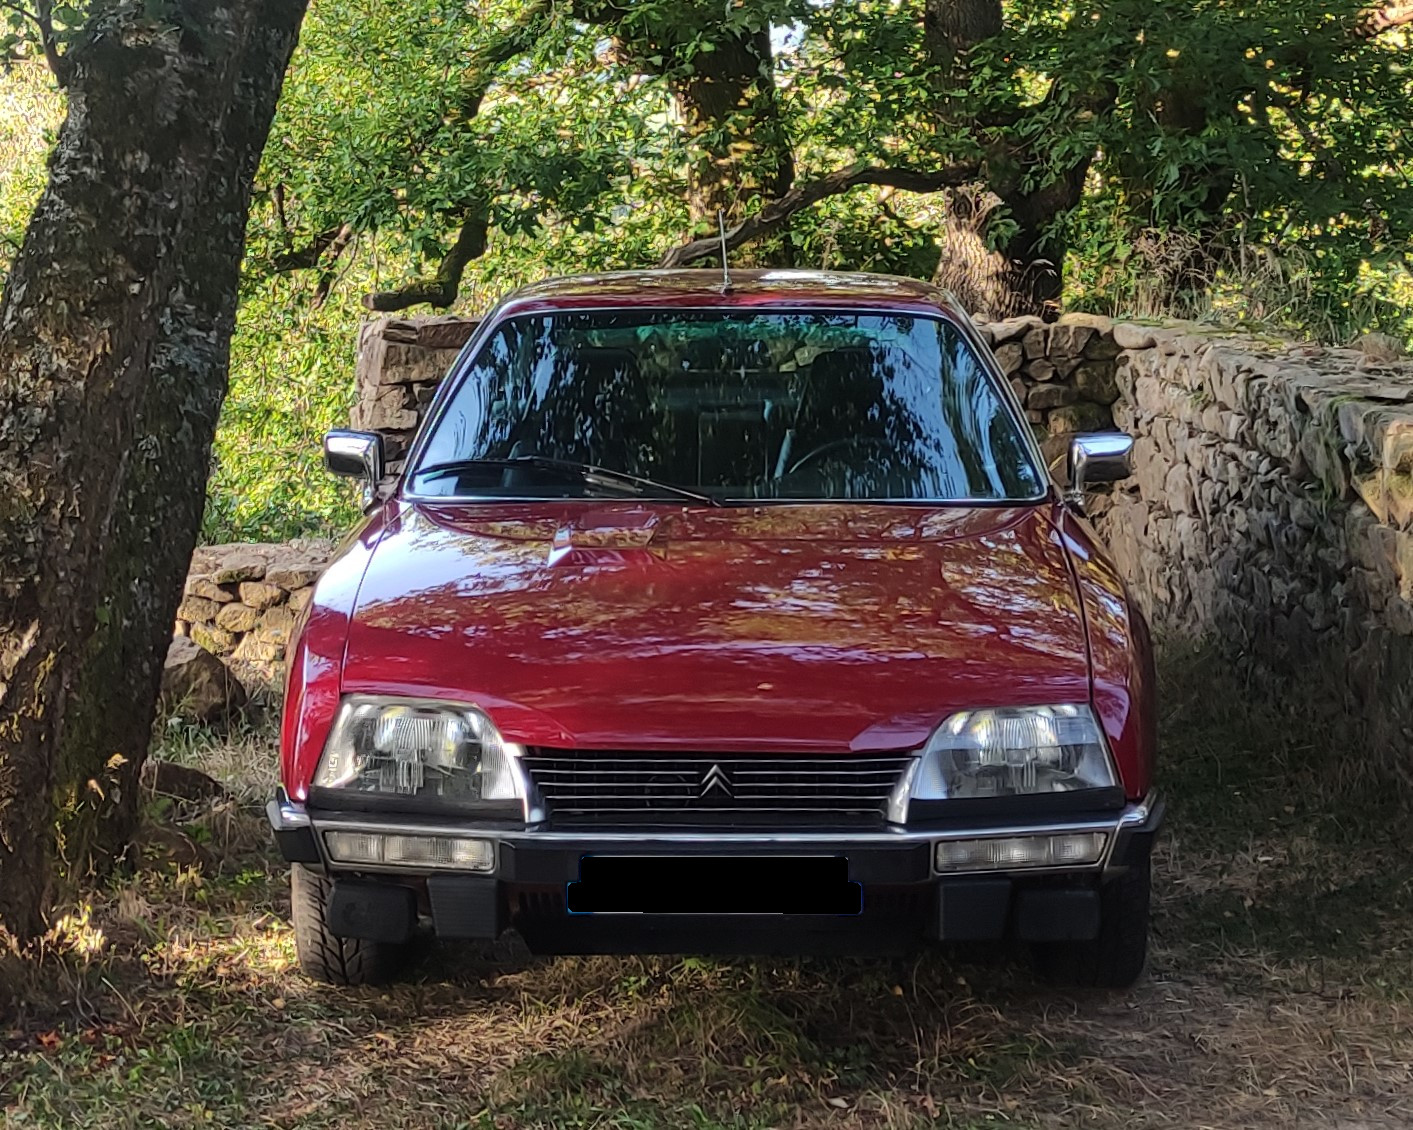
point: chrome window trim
(460, 370)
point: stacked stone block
(1064, 372)
(1271, 512)
(400, 363)
(241, 602)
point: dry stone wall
(400, 363)
(1271, 510)
(241, 601)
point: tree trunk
(1019, 276)
(951, 27)
(113, 345)
(995, 281)
(1021, 271)
(721, 72)
(166, 495)
(739, 145)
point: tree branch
(1380, 20)
(43, 19)
(327, 262)
(812, 192)
(481, 68)
(441, 290)
(277, 197)
(310, 255)
(58, 63)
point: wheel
(326, 957)
(1114, 959)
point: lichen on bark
(114, 334)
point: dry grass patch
(1278, 995)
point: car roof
(670, 287)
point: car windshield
(738, 406)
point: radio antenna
(725, 266)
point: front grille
(613, 786)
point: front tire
(1116, 957)
(326, 957)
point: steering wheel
(844, 443)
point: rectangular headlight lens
(393, 849)
(1005, 853)
(1014, 751)
(427, 751)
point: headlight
(1014, 751)
(441, 753)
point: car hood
(828, 628)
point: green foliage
(20, 37)
(291, 381)
(377, 129)
(1267, 129)
(1285, 287)
(1263, 173)
(30, 112)
(1244, 163)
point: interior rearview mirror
(356, 454)
(1097, 457)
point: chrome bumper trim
(1149, 809)
(287, 815)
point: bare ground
(1278, 991)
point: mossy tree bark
(114, 335)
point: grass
(1278, 992)
(1280, 843)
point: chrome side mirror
(358, 455)
(1097, 457)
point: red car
(722, 617)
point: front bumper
(906, 896)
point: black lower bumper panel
(696, 899)
(705, 884)
(891, 921)
(374, 911)
(466, 906)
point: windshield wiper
(584, 472)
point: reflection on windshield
(739, 406)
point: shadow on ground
(1278, 994)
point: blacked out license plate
(714, 884)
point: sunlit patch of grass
(74, 933)
(1278, 993)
